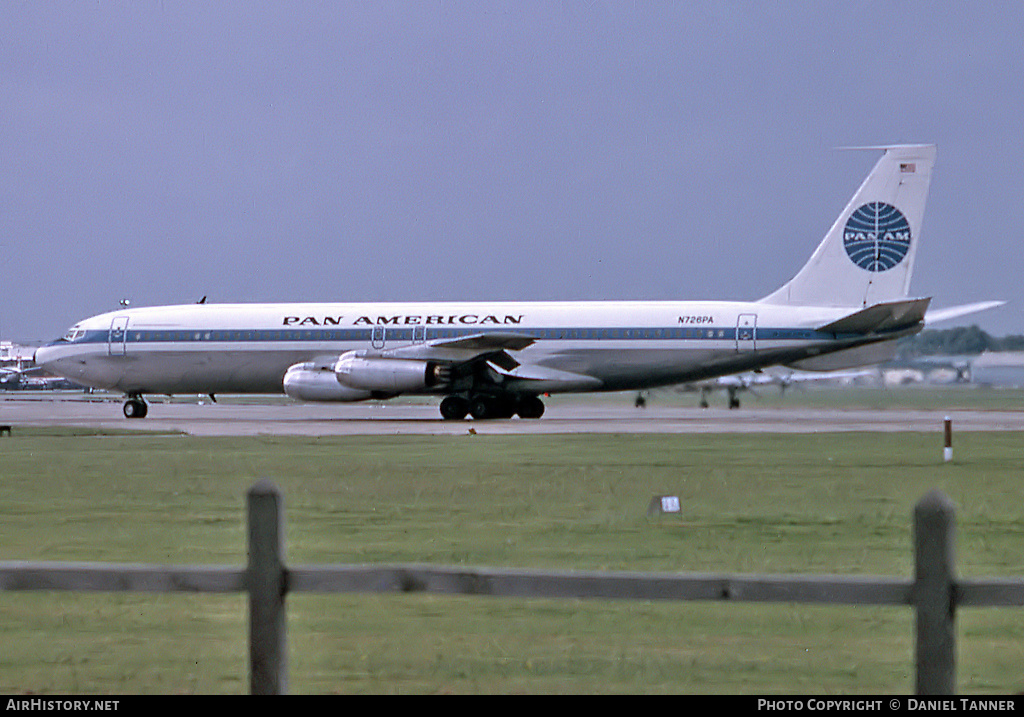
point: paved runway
(563, 416)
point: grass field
(836, 503)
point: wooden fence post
(934, 598)
(266, 582)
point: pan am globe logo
(877, 236)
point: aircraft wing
(490, 341)
(463, 348)
(11, 373)
(813, 377)
(491, 350)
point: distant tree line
(961, 340)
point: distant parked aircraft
(734, 385)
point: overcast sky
(161, 151)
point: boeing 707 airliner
(844, 308)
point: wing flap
(542, 378)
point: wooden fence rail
(935, 593)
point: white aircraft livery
(844, 308)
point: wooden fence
(935, 592)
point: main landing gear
(135, 407)
(483, 406)
(734, 401)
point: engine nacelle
(387, 375)
(306, 382)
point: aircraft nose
(75, 362)
(44, 356)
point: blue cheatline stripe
(397, 335)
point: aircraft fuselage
(240, 348)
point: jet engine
(309, 382)
(388, 375)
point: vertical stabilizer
(867, 256)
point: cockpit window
(74, 334)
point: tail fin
(867, 256)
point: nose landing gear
(135, 407)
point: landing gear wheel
(135, 408)
(483, 407)
(454, 408)
(505, 407)
(480, 408)
(530, 407)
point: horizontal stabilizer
(880, 317)
(954, 312)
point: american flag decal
(908, 168)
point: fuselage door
(377, 336)
(118, 337)
(746, 332)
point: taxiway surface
(243, 419)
